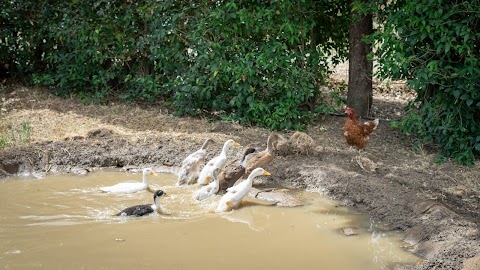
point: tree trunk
(360, 69)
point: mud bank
(436, 205)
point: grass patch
(11, 135)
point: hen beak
(266, 173)
(153, 173)
(235, 143)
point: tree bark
(360, 70)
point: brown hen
(357, 133)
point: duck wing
(236, 188)
(124, 188)
(260, 160)
(190, 167)
(230, 175)
(193, 161)
(194, 157)
(137, 210)
(212, 161)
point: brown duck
(263, 158)
(232, 173)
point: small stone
(254, 192)
(79, 171)
(283, 197)
(349, 231)
(168, 163)
(130, 168)
(39, 175)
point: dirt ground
(436, 205)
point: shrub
(435, 46)
(254, 62)
(18, 41)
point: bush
(251, 61)
(435, 46)
(18, 41)
(104, 49)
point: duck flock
(214, 176)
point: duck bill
(208, 180)
(235, 143)
(153, 173)
(266, 173)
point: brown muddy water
(64, 222)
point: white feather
(216, 162)
(130, 187)
(235, 194)
(190, 167)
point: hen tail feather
(370, 126)
(375, 123)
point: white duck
(131, 187)
(235, 194)
(210, 189)
(216, 162)
(191, 165)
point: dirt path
(438, 206)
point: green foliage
(256, 62)
(435, 46)
(18, 37)
(395, 124)
(100, 50)
(253, 62)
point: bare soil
(436, 205)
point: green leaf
(395, 124)
(447, 47)
(456, 93)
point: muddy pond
(63, 221)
